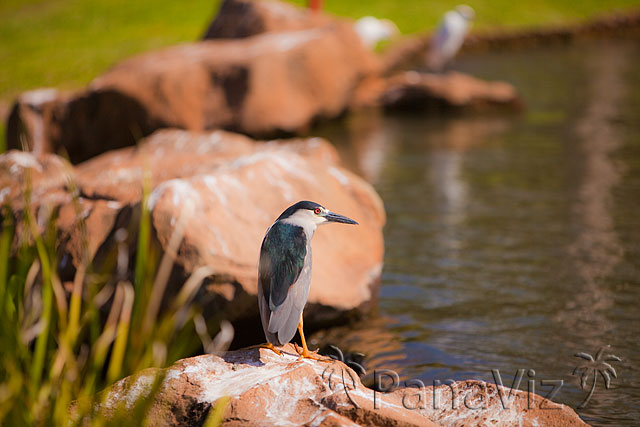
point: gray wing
(284, 279)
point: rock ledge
(266, 389)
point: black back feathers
(281, 260)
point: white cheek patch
(305, 217)
(320, 220)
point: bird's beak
(334, 217)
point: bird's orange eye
(317, 211)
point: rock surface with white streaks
(267, 389)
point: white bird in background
(373, 30)
(449, 37)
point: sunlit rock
(452, 91)
(269, 84)
(267, 389)
(226, 190)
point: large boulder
(227, 190)
(267, 389)
(272, 83)
(265, 68)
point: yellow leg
(305, 353)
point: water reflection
(511, 243)
(382, 349)
(444, 171)
(366, 143)
(595, 249)
(421, 160)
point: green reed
(61, 344)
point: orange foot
(268, 346)
(304, 353)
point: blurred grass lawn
(66, 43)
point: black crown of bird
(284, 272)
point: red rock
(42, 173)
(235, 204)
(479, 403)
(451, 91)
(50, 179)
(266, 389)
(100, 219)
(263, 85)
(167, 154)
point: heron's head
(466, 12)
(307, 213)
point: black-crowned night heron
(449, 36)
(284, 274)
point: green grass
(66, 43)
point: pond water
(512, 241)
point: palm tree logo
(592, 367)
